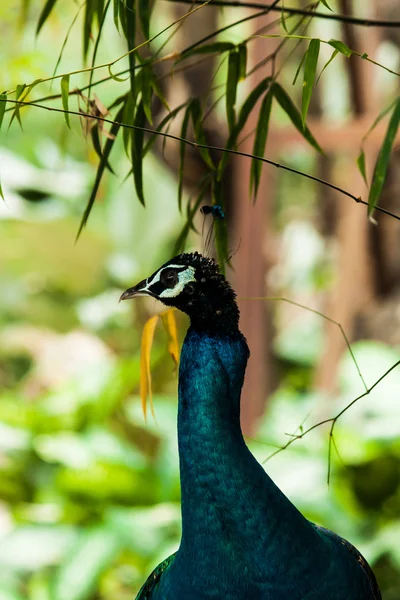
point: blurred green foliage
(89, 492)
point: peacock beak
(139, 289)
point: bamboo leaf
(200, 136)
(161, 126)
(310, 69)
(382, 163)
(290, 109)
(145, 371)
(231, 88)
(325, 3)
(244, 113)
(3, 103)
(341, 47)
(100, 169)
(361, 165)
(130, 34)
(1, 192)
(136, 151)
(47, 8)
(147, 92)
(169, 322)
(215, 48)
(116, 4)
(182, 150)
(65, 97)
(18, 93)
(333, 55)
(242, 49)
(299, 67)
(87, 26)
(144, 9)
(283, 20)
(192, 210)
(382, 114)
(260, 141)
(127, 118)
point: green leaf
(161, 126)
(144, 9)
(341, 47)
(333, 55)
(1, 192)
(146, 80)
(244, 113)
(47, 8)
(283, 20)
(116, 4)
(199, 135)
(192, 210)
(77, 576)
(361, 165)
(100, 169)
(18, 93)
(127, 118)
(310, 69)
(325, 3)
(182, 150)
(65, 97)
(3, 103)
(287, 105)
(231, 88)
(260, 141)
(215, 48)
(382, 114)
(382, 163)
(130, 18)
(87, 26)
(136, 151)
(242, 49)
(299, 67)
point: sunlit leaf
(100, 169)
(47, 8)
(361, 165)
(260, 140)
(145, 371)
(292, 112)
(182, 150)
(137, 151)
(1, 192)
(65, 97)
(382, 163)
(215, 48)
(144, 9)
(231, 88)
(16, 113)
(169, 322)
(242, 49)
(341, 47)
(310, 69)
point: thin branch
(333, 420)
(298, 11)
(357, 199)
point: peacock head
(193, 284)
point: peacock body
(241, 537)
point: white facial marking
(184, 277)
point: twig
(357, 199)
(297, 11)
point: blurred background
(89, 491)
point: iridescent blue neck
(232, 512)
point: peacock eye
(169, 277)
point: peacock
(242, 538)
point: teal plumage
(241, 537)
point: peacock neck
(231, 509)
